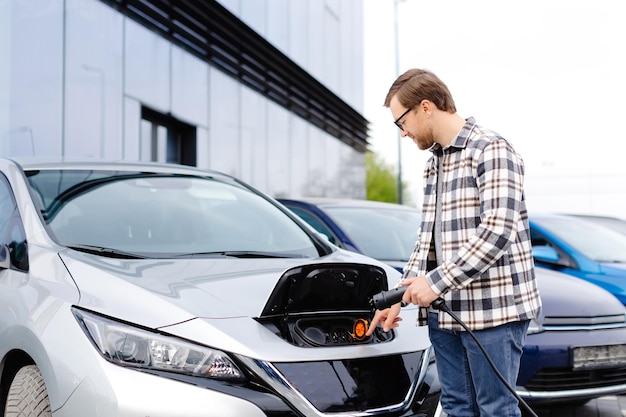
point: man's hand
(388, 318)
(419, 292)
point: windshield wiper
(100, 250)
(240, 254)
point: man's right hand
(388, 319)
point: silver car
(162, 290)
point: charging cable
(386, 299)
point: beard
(424, 139)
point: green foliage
(382, 180)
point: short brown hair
(416, 85)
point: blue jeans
(469, 386)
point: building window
(212, 33)
(166, 139)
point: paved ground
(611, 406)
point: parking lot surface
(610, 406)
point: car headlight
(127, 345)
(534, 327)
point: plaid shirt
(487, 277)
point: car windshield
(595, 241)
(380, 233)
(163, 215)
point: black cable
(439, 304)
(386, 299)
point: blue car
(575, 351)
(581, 248)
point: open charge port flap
(325, 304)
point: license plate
(585, 357)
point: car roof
(596, 217)
(347, 202)
(572, 217)
(537, 217)
(29, 163)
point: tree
(382, 180)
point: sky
(549, 76)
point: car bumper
(548, 376)
(569, 395)
(123, 392)
(110, 390)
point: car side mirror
(545, 254)
(5, 257)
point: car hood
(213, 301)
(201, 287)
(614, 269)
(566, 296)
(397, 264)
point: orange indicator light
(360, 328)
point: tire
(27, 395)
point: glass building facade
(270, 91)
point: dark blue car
(576, 349)
(383, 231)
(582, 248)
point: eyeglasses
(397, 121)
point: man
(473, 249)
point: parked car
(384, 231)
(161, 290)
(575, 351)
(581, 248)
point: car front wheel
(28, 396)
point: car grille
(557, 379)
(380, 385)
(556, 323)
(356, 384)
